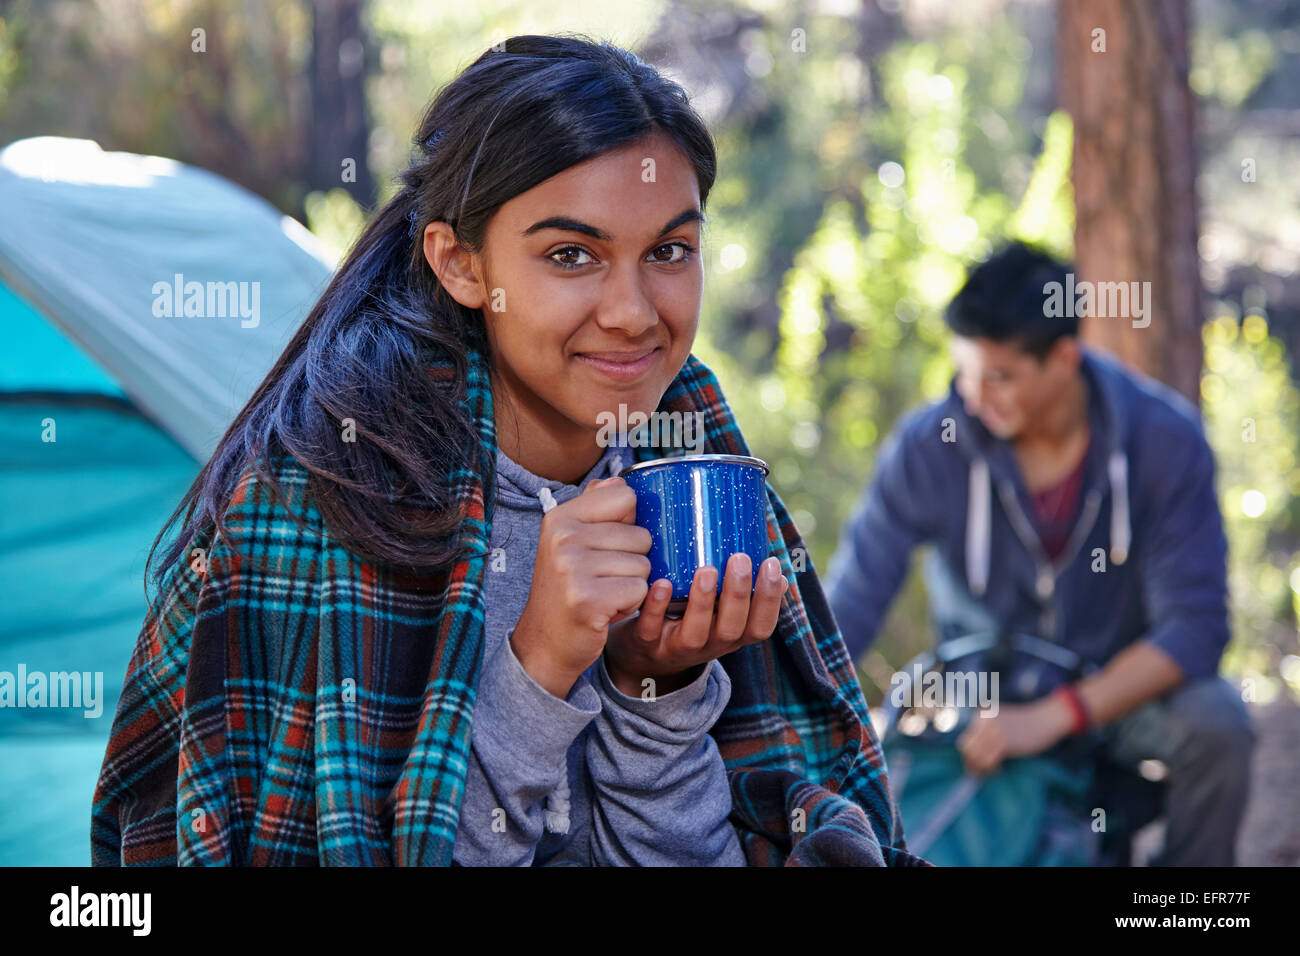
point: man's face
(1005, 387)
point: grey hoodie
(596, 779)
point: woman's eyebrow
(573, 225)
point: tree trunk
(1123, 79)
(338, 124)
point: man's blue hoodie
(1146, 560)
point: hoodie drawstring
(979, 518)
(1120, 529)
(556, 812)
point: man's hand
(1137, 674)
(1018, 730)
(669, 652)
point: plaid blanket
(290, 703)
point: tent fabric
(89, 239)
(107, 410)
(38, 357)
(80, 514)
(72, 552)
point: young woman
(399, 622)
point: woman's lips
(621, 366)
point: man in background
(1073, 499)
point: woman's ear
(453, 265)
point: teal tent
(141, 302)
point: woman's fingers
(618, 564)
(650, 623)
(742, 617)
(697, 623)
(733, 605)
(617, 536)
(713, 625)
(769, 591)
(606, 499)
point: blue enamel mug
(700, 510)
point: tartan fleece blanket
(288, 703)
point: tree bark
(1134, 177)
(338, 124)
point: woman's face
(590, 286)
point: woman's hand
(591, 569)
(669, 652)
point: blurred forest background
(870, 152)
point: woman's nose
(626, 305)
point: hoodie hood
(992, 463)
(520, 490)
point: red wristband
(1082, 720)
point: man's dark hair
(1004, 299)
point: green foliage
(1046, 214)
(421, 47)
(336, 219)
(1228, 69)
(926, 219)
(819, 414)
(128, 75)
(10, 60)
(1252, 419)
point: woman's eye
(566, 258)
(687, 251)
(568, 250)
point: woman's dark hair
(1004, 299)
(515, 117)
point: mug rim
(692, 459)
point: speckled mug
(700, 510)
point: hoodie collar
(520, 489)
